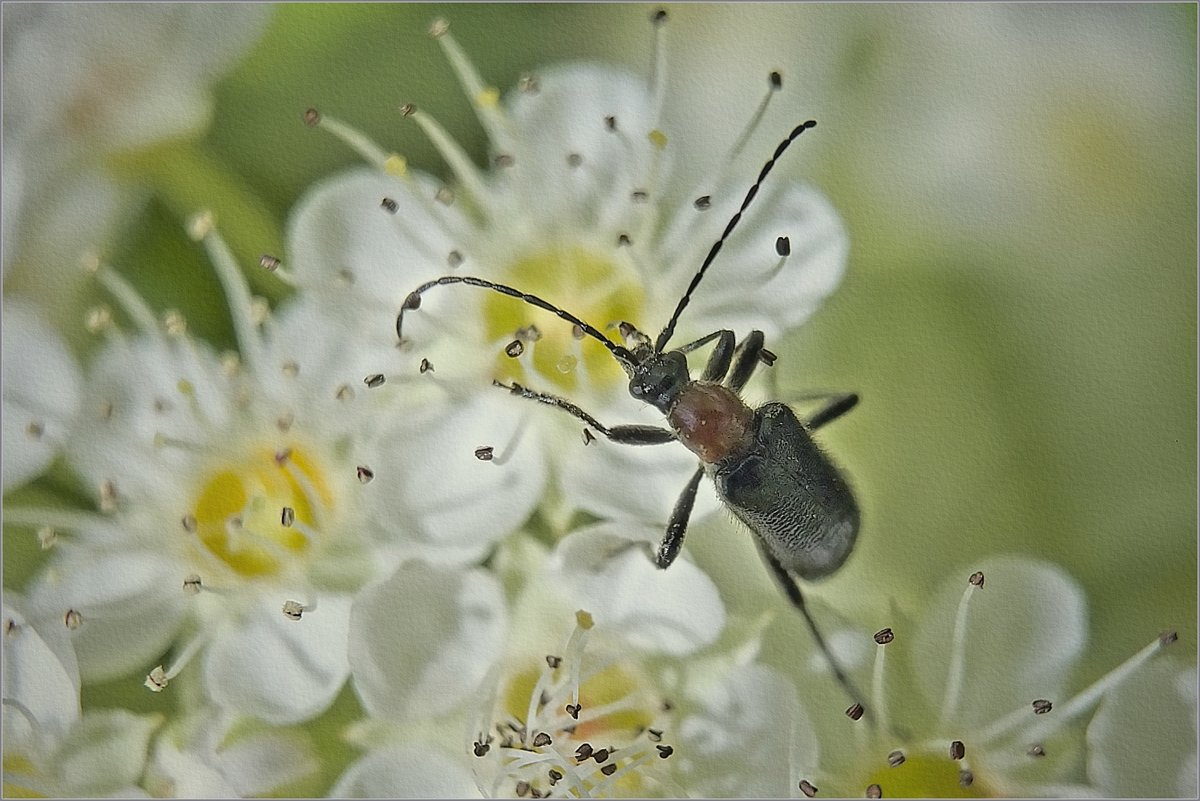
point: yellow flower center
(241, 511)
(924, 775)
(598, 289)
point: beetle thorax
(712, 421)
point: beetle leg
(837, 406)
(718, 361)
(749, 354)
(626, 434)
(672, 541)
(792, 590)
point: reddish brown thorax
(712, 421)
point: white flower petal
(186, 775)
(749, 737)
(278, 669)
(106, 753)
(1026, 628)
(41, 674)
(131, 605)
(260, 763)
(42, 393)
(440, 493)
(422, 640)
(675, 611)
(1142, 742)
(406, 772)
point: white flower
(984, 707)
(582, 208)
(245, 499)
(211, 754)
(50, 749)
(83, 83)
(42, 393)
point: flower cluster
(328, 526)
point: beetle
(764, 463)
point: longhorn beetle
(763, 461)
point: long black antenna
(665, 336)
(413, 301)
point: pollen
(396, 165)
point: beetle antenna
(665, 336)
(413, 301)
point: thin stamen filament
(878, 697)
(487, 111)
(954, 676)
(454, 155)
(358, 142)
(129, 299)
(237, 290)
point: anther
(808, 788)
(97, 319)
(35, 430)
(444, 195)
(485, 453)
(976, 579)
(312, 117)
(374, 380)
(855, 712)
(896, 759)
(609, 769)
(555, 777)
(189, 523)
(426, 366)
(481, 749)
(639, 196)
(966, 778)
(776, 80)
(528, 83)
(664, 751)
(294, 610)
(438, 28)
(108, 496)
(72, 619)
(600, 756)
(767, 357)
(522, 789)
(11, 628)
(1036, 751)
(407, 110)
(46, 537)
(583, 752)
(659, 17)
(282, 456)
(624, 241)
(364, 473)
(105, 411)
(503, 160)
(290, 368)
(1167, 637)
(703, 203)
(654, 735)
(454, 259)
(577, 331)
(610, 123)
(344, 393)
(957, 750)
(553, 661)
(588, 437)
(573, 711)
(874, 791)
(574, 160)
(192, 584)
(514, 349)
(530, 333)
(783, 246)
(268, 262)
(1041, 706)
(287, 516)
(389, 205)
(542, 740)
(157, 680)
(884, 636)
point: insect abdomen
(791, 496)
